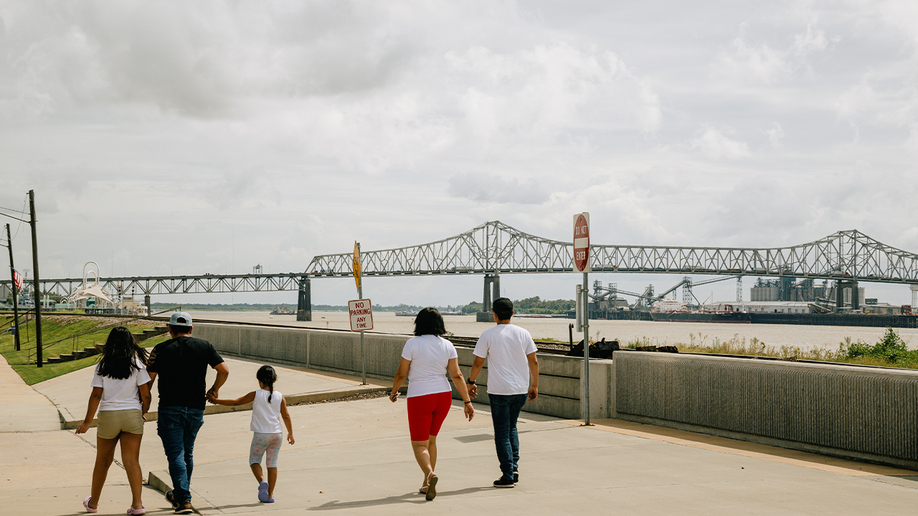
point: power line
(12, 210)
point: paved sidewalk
(354, 457)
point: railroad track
(544, 347)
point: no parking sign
(361, 312)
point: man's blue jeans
(177, 428)
(505, 410)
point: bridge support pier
(146, 303)
(840, 287)
(491, 292)
(304, 300)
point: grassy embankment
(889, 351)
(90, 331)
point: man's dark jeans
(177, 428)
(505, 410)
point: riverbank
(63, 334)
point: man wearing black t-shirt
(181, 365)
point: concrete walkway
(354, 457)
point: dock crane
(646, 300)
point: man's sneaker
(184, 508)
(171, 499)
(516, 476)
(503, 482)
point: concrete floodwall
(862, 413)
(336, 351)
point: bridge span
(495, 248)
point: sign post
(361, 312)
(582, 264)
(355, 265)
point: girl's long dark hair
(429, 322)
(120, 355)
(267, 376)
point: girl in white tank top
(268, 408)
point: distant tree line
(266, 307)
(530, 305)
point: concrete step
(65, 357)
(147, 334)
(53, 360)
(92, 350)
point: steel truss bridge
(495, 248)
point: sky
(190, 137)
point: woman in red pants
(424, 360)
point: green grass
(889, 351)
(90, 331)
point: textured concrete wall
(862, 413)
(559, 378)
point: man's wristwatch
(470, 381)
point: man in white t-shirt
(513, 372)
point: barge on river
(669, 310)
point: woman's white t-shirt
(121, 394)
(429, 355)
(266, 415)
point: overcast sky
(191, 137)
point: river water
(657, 333)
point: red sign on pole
(582, 242)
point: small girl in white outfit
(268, 406)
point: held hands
(211, 397)
(473, 391)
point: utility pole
(37, 289)
(9, 241)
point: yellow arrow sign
(355, 266)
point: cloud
(775, 135)
(757, 62)
(858, 100)
(484, 188)
(810, 41)
(715, 145)
(911, 145)
(746, 62)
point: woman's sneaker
(503, 482)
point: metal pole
(15, 290)
(37, 293)
(586, 349)
(363, 349)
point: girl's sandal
(87, 507)
(422, 490)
